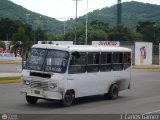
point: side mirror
(76, 54)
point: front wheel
(31, 100)
(113, 92)
(68, 98)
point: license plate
(37, 92)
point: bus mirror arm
(76, 54)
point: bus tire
(113, 92)
(31, 100)
(68, 98)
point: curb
(9, 81)
(4, 62)
(146, 67)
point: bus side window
(105, 62)
(93, 62)
(117, 61)
(127, 60)
(77, 64)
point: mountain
(11, 10)
(132, 12)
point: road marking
(153, 112)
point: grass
(146, 67)
(10, 78)
(4, 80)
(10, 62)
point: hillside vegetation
(13, 11)
(132, 13)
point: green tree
(122, 33)
(95, 33)
(69, 36)
(99, 25)
(2, 45)
(58, 37)
(149, 30)
(7, 28)
(21, 40)
(41, 35)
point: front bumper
(40, 93)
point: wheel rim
(68, 97)
(115, 92)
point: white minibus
(55, 72)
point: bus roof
(82, 48)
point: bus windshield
(47, 60)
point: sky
(66, 9)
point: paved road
(10, 68)
(144, 97)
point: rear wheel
(113, 92)
(68, 98)
(31, 100)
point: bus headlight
(52, 85)
(26, 82)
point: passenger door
(93, 74)
(77, 76)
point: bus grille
(39, 84)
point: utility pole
(119, 12)
(75, 37)
(27, 15)
(7, 37)
(64, 27)
(86, 23)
